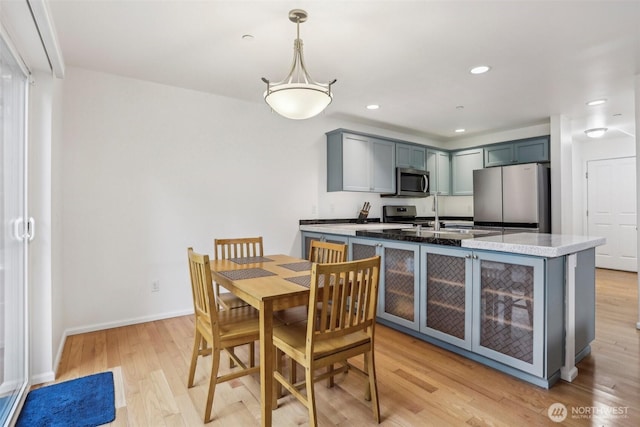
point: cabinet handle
(475, 256)
(467, 256)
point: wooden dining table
(268, 283)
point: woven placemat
(250, 260)
(301, 280)
(306, 280)
(247, 273)
(297, 266)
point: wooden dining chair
(241, 248)
(322, 252)
(217, 330)
(344, 297)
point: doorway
(611, 211)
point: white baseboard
(9, 387)
(109, 325)
(46, 377)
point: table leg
(266, 361)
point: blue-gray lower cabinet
(508, 317)
(308, 236)
(446, 294)
(399, 273)
(502, 307)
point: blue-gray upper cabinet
(360, 163)
(439, 168)
(532, 150)
(463, 163)
(498, 155)
(528, 150)
(410, 156)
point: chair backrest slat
(327, 252)
(204, 303)
(348, 293)
(238, 248)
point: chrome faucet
(436, 221)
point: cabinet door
(446, 294)
(508, 296)
(463, 164)
(410, 156)
(532, 150)
(444, 173)
(498, 155)
(398, 290)
(399, 285)
(383, 161)
(356, 169)
(438, 165)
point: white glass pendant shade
(298, 96)
(298, 101)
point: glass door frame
(22, 230)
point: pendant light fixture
(298, 96)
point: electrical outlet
(155, 286)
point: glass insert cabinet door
(509, 325)
(446, 295)
(398, 291)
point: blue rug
(83, 402)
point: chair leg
(330, 382)
(311, 399)
(215, 365)
(367, 390)
(279, 366)
(232, 364)
(252, 354)
(197, 342)
(293, 371)
(373, 386)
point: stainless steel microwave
(410, 183)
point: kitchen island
(523, 303)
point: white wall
(148, 170)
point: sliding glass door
(13, 235)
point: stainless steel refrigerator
(516, 196)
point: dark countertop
(441, 237)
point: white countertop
(536, 244)
(351, 228)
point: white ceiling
(411, 57)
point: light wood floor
(419, 384)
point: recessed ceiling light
(480, 69)
(247, 37)
(460, 130)
(596, 102)
(373, 107)
(595, 132)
